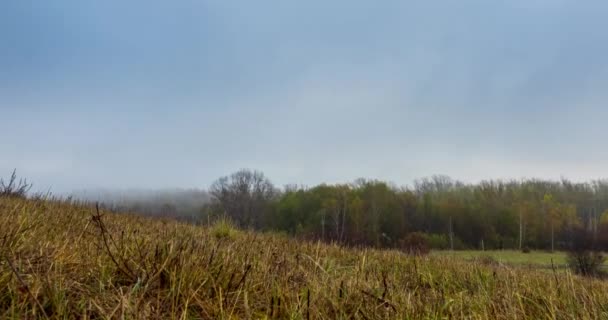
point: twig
(555, 276)
(102, 228)
(308, 304)
(25, 286)
(242, 281)
(382, 301)
(363, 314)
(385, 285)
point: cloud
(151, 94)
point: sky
(163, 94)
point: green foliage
(442, 242)
(502, 215)
(536, 259)
(438, 241)
(223, 228)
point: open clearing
(65, 261)
(513, 257)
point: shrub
(442, 241)
(223, 229)
(438, 241)
(586, 263)
(415, 243)
(582, 258)
(487, 260)
(14, 188)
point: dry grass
(60, 260)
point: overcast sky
(157, 94)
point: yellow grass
(64, 261)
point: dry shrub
(17, 188)
(415, 243)
(487, 260)
(582, 256)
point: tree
(510, 214)
(335, 205)
(551, 212)
(245, 196)
(522, 210)
(356, 217)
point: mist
(172, 202)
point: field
(68, 261)
(537, 259)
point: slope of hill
(61, 260)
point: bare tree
(244, 196)
(338, 209)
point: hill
(66, 260)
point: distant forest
(495, 214)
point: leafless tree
(244, 196)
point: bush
(14, 188)
(438, 241)
(487, 260)
(415, 243)
(223, 229)
(442, 241)
(586, 263)
(582, 258)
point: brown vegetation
(61, 260)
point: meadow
(535, 259)
(65, 261)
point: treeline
(496, 214)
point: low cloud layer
(114, 95)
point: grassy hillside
(66, 261)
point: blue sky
(156, 94)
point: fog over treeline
(451, 214)
(171, 202)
